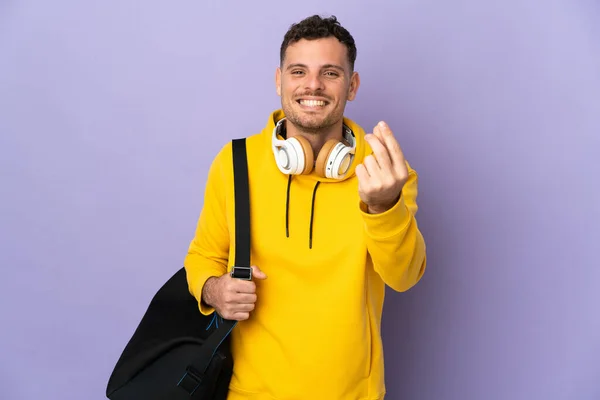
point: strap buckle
(243, 273)
(190, 381)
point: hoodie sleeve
(208, 252)
(394, 242)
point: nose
(313, 81)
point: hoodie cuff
(388, 223)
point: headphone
(294, 156)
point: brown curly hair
(317, 27)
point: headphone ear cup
(304, 150)
(323, 157)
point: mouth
(312, 104)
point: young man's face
(314, 83)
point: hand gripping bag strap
(191, 378)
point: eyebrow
(322, 67)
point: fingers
(234, 304)
(240, 286)
(237, 306)
(240, 306)
(361, 173)
(369, 172)
(373, 167)
(245, 298)
(239, 316)
(231, 297)
(380, 154)
(383, 132)
(257, 273)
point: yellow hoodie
(315, 331)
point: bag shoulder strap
(242, 203)
(192, 376)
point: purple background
(110, 113)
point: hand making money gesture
(382, 175)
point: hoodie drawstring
(312, 211)
(287, 207)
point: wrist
(377, 209)
(208, 291)
(381, 208)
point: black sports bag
(177, 353)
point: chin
(307, 118)
(314, 124)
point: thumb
(257, 273)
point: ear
(278, 81)
(354, 84)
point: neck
(316, 137)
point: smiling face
(314, 81)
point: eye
(331, 73)
(297, 72)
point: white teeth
(312, 103)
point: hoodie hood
(362, 147)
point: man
(333, 222)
